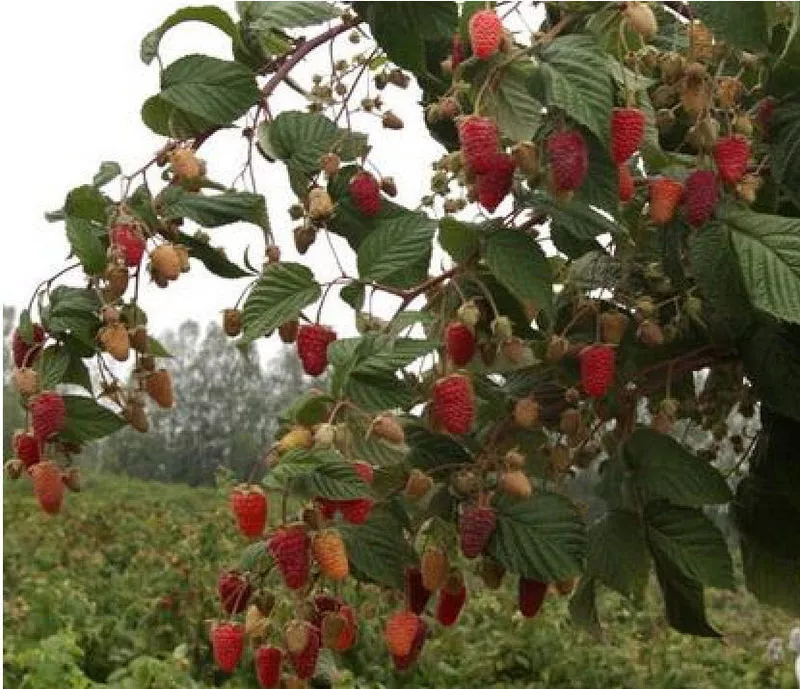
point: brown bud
(434, 567)
(526, 156)
(288, 331)
(14, 468)
(388, 186)
(320, 204)
(333, 624)
(159, 386)
(330, 164)
(729, 91)
(109, 315)
(526, 413)
(571, 422)
(672, 66)
(649, 333)
(557, 349)
(138, 339)
(391, 121)
(114, 340)
(386, 426)
(304, 237)
(136, 416)
(417, 485)
(296, 634)
(116, 282)
(449, 108)
(148, 363)
(612, 326)
(747, 188)
(399, 78)
(515, 351)
(256, 625)
(185, 164)
(232, 322)
(273, 254)
(701, 41)
(566, 586)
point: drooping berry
(627, 132)
(403, 662)
(475, 528)
(485, 33)
(48, 486)
(159, 387)
(531, 596)
(48, 413)
(268, 661)
(451, 599)
(626, 186)
(312, 347)
(700, 197)
(227, 644)
(401, 629)
(26, 448)
(305, 661)
(454, 403)
(289, 546)
(330, 553)
(417, 595)
(347, 635)
(25, 353)
(493, 186)
(365, 193)
(128, 241)
(234, 591)
(249, 506)
(569, 159)
(459, 343)
(731, 154)
(433, 567)
(665, 195)
(597, 364)
(480, 142)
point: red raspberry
(597, 369)
(25, 353)
(480, 143)
(234, 591)
(268, 666)
(26, 448)
(627, 132)
(305, 662)
(327, 507)
(700, 196)
(531, 596)
(366, 193)
(485, 33)
(454, 403)
(356, 511)
(401, 628)
(227, 644)
(347, 637)
(47, 413)
(48, 486)
(403, 662)
(417, 596)
(569, 159)
(128, 241)
(249, 505)
(456, 51)
(289, 546)
(451, 599)
(312, 347)
(731, 154)
(626, 185)
(365, 471)
(475, 528)
(459, 341)
(665, 195)
(495, 185)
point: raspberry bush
(554, 325)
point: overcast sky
(73, 87)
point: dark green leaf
(73, 310)
(459, 239)
(209, 14)
(76, 373)
(213, 258)
(166, 119)
(773, 579)
(618, 553)
(52, 366)
(318, 472)
(109, 170)
(88, 244)
(742, 24)
(215, 210)
(87, 203)
(378, 392)
(87, 420)
(583, 606)
(784, 138)
(430, 450)
(509, 100)
(287, 15)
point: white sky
(73, 87)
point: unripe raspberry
(386, 426)
(526, 413)
(320, 204)
(330, 552)
(613, 325)
(641, 19)
(502, 329)
(665, 195)
(557, 349)
(14, 468)
(469, 313)
(48, 486)
(26, 381)
(273, 254)
(401, 628)
(526, 157)
(232, 322)
(115, 340)
(514, 460)
(298, 437)
(515, 483)
(165, 262)
(433, 568)
(288, 331)
(185, 164)
(417, 485)
(159, 386)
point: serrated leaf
(618, 553)
(52, 365)
(73, 310)
(398, 252)
(430, 450)
(87, 203)
(255, 557)
(459, 239)
(87, 420)
(378, 392)
(88, 243)
(109, 170)
(663, 468)
(166, 119)
(508, 99)
(214, 210)
(583, 606)
(279, 295)
(287, 15)
(744, 25)
(208, 14)
(784, 139)
(690, 542)
(519, 263)
(308, 409)
(212, 258)
(541, 538)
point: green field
(115, 593)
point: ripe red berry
(249, 505)
(626, 185)
(494, 185)
(627, 132)
(48, 486)
(234, 591)
(700, 196)
(356, 511)
(327, 507)
(289, 546)
(456, 51)
(128, 241)
(451, 600)
(569, 159)
(47, 415)
(401, 629)
(485, 33)
(597, 369)
(403, 662)
(665, 195)
(268, 666)
(312, 347)
(347, 637)
(475, 528)
(417, 595)
(366, 193)
(454, 403)
(731, 154)
(25, 353)
(531, 596)
(459, 342)
(227, 644)
(480, 142)
(26, 448)
(305, 662)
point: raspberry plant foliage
(641, 336)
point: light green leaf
(319, 473)
(88, 244)
(155, 348)
(279, 295)
(287, 15)
(618, 553)
(87, 420)
(663, 468)
(215, 210)
(459, 239)
(398, 251)
(210, 14)
(509, 100)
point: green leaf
(88, 244)
(155, 348)
(784, 139)
(509, 100)
(783, 77)
(209, 14)
(76, 373)
(166, 119)
(52, 366)
(601, 187)
(74, 310)
(213, 258)
(690, 542)
(255, 557)
(87, 420)
(519, 263)
(214, 90)
(87, 203)
(773, 579)
(287, 15)
(541, 538)
(279, 295)
(398, 252)
(618, 553)
(215, 210)
(663, 468)
(459, 239)
(378, 550)
(430, 450)
(308, 409)
(583, 606)
(742, 24)
(109, 170)
(578, 81)
(378, 392)
(318, 472)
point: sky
(72, 93)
